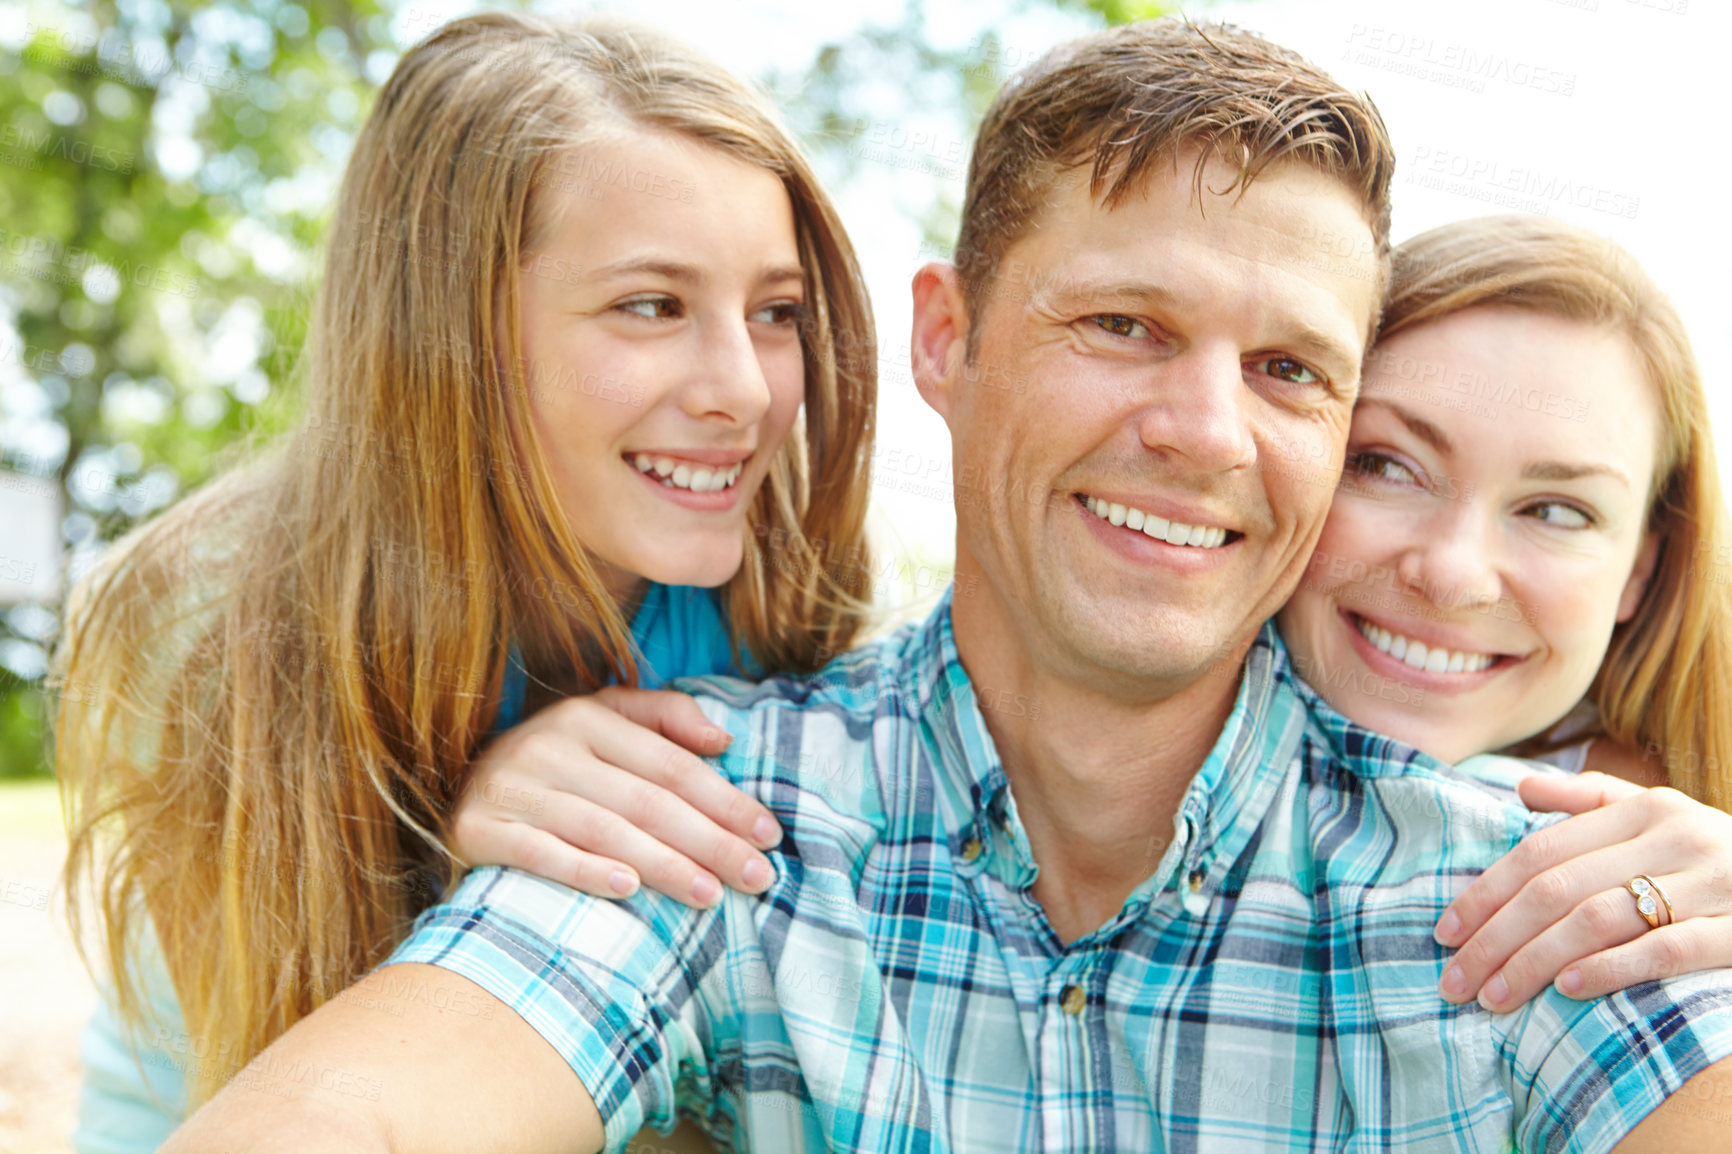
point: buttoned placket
(1073, 1062)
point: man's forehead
(1295, 244)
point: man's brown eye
(1119, 326)
(1288, 369)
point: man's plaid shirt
(1272, 986)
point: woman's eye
(1289, 370)
(1379, 467)
(1121, 326)
(780, 313)
(1559, 514)
(655, 308)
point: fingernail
(757, 873)
(622, 883)
(1494, 993)
(766, 832)
(1570, 982)
(706, 889)
(1447, 927)
(1454, 984)
(720, 736)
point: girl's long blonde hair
(1665, 686)
(270, 694)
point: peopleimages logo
(1461, 66)
(1513, 186)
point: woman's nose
(1453, 560)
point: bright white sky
(1640, 128)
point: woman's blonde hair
(1664, 688)
(270, 695)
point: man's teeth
(1415, 653)
(680, 475)
(1161, 529)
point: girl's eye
(1559, 514)
(1376, 466)
(1121, 326)
(655, 308)
(780, 313)
(1289, 370)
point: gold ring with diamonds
(1649, 898)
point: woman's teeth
(681, 475)
(1161, 529)
(1416, 654)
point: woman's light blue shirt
(134, 1092)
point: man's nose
(1195, 411)
(728, 380)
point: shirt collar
(1220, 812)
(1363, 752)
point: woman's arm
(599, 791)
(1555, 908)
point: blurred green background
(166, 171)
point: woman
(580, 285)
(1529, 494)
(1529, 497)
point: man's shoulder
(809, 745)
(854, 682)
(1457, 817)
(1402, 792)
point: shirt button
(1072, 999)
(1196, 880)
(971, 849)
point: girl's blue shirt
(134, 1092)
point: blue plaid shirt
(1271, 986)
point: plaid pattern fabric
(1272, 986)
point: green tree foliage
(165, 175)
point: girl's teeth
(699, 479)
(1172, 532)
(1421, 656)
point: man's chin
(1157, 652)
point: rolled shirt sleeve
(1582, 1075)
(624, 991)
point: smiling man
(1179, 903)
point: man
(1057, 874)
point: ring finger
(1607, 919)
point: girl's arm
(598, 792)
(134, 1092)
(1555, 910)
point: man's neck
(1097, 777)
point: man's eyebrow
(1305, 337)
(1318, 343)
(1570, 471)
(1107, 294)
(1418, 425)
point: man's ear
(1640, 574)
(940, 337)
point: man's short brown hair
(1126, 99)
